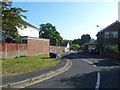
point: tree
(65, 42)
(92, 40)
(75, 47)
(85, 38)
(77, 41)
(49, 31)
(11, 19)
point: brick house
(33, 45)
(108, 38)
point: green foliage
(11, 19)
(74, 47)
(49, 31)
(64, 42)
(92, 40)
(85, 38)
(111, 48)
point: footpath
(30, 78)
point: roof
(31, 25)
(109, 26)
(90, 44)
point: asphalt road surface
(87, 71)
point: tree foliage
(11, 19)
(75, 47)
(49, 31)
(85, 38)
(65, 42)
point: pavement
(40, 74)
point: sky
(72, 19)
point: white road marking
(98, 82)
(89, 62)
(98, 75)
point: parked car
(93, 50)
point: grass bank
(27, 64)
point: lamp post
(100, 39)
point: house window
(115, 34)
(111, 34)
(106, 34)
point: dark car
(93, 50)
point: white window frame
(115, 34)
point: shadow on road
(87, 80)
(109, 79)
(107, 62)
(101, 61)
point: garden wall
(10, 50)
(57, 49)
(38, 46)
(34, 46)
(113, 55)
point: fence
(13, 47)
(10, 50)
(57, 49)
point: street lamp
(100, 38)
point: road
(86, 72)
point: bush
(111, 48)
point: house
(30, 31)
(108, 39)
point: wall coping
(27, 37)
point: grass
(27, 64)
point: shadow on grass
(46, 58)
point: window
(106, 34)
(115, 34)
(111, 34)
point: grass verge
(27, 64)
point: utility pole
(100, 39)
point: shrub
(111, 48)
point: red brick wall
(38, 46)
(114, 27)
(114, 55)
(57, 49)
(12, 47)
(85, 49)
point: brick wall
(113, 55)
(57, 49)
(32, 48)
(10, 50)
(113, 41)
(38, 46)
(86, 46)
